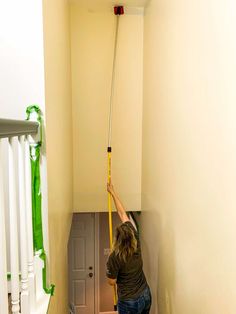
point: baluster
(23, 231)
(3, 262)
(28, 198)
(14, 257)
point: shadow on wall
(158, 250)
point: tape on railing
(34, 113)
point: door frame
(95, 217)
(96, 264)
(96, 261)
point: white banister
(3, 262)
(28, 199)
(23, 224)
(22, 272)
(14, 257)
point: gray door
(81, 263)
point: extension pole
(119, 10)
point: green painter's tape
(51, 288)
(34, 113)
(37, 198)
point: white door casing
(81, 263)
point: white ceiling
(96, 4)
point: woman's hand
(119, 207)
(110, 188)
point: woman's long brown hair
(125, 244)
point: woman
(125, 266)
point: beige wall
(189, 153)
(59, 144)
(92, 40)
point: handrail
(30, 131)
(10, 128)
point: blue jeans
(141, 305)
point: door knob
(90, 275)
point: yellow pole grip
(110, 220)
(109, 201)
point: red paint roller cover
(119, 10)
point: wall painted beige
(189, 153)
(92, 40)
(59, 144)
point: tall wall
(92, 42)
(59, 144)
(189, 153)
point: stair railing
(17, 261)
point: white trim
(24, 297)
(3, 250)
(96, 265)
(13, 210)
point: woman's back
(129, 274)
(125, 265)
